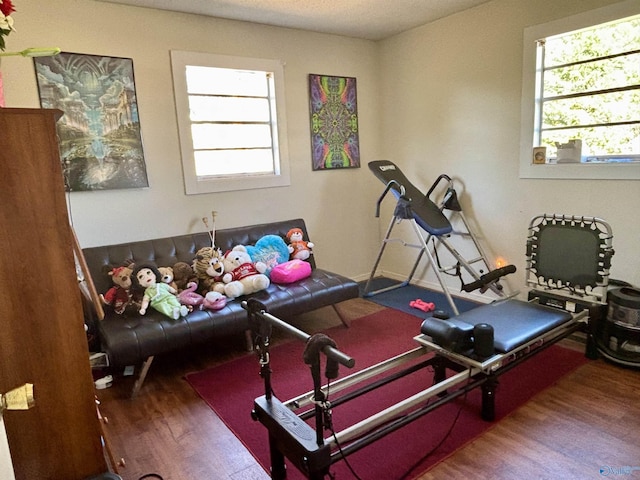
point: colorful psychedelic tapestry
(334, 122)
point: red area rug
(231, 388)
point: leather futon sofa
(134, 339)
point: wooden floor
(588, 421)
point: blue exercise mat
(399, 298)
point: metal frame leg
(386, 240)
(278, 467)
(489, 398)
(345, 321)
(143, 374)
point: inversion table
(568, 262)
(430, 223)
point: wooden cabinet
(42, 338)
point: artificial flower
(6, 21)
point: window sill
(248, 182)
(580, 171)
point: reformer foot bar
(310, 452)
(426, 216)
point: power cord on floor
(329, 426)
(442, 440)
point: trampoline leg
(591, 350)
(278, 467)
(597, 314)
(488, 399)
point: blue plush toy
(271, 250)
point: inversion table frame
(568, 260)
(425, 216)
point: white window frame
(621, 171)
(194, 185)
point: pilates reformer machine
(568, 262)
(430, 225)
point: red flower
(6, 7)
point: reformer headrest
(450, 334)
(460, 337)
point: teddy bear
(119, 296)
(298, 248)
(183, 275)
(157, 294)
(242, 276)
(209, 268)
(167, 277)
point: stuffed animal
(119, 296)
(209, 268)
(183, 275)
(214, 301)
(190, 297)
(270, 249)
(167, 277)
(157, 294)
(242, 276)
(298, 248)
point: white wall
(338, 214)
(451, 102)
(6, 465)
(442, 98)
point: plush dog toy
(242, 276)
(298, 248)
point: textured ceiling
(368, 19)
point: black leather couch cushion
(130, 338)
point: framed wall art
(99, 133)
(334, 122)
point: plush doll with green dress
(157, 294)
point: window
(581, 87)
(590, 91)
(231, 121)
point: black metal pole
(318, 397)
(259, 311)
